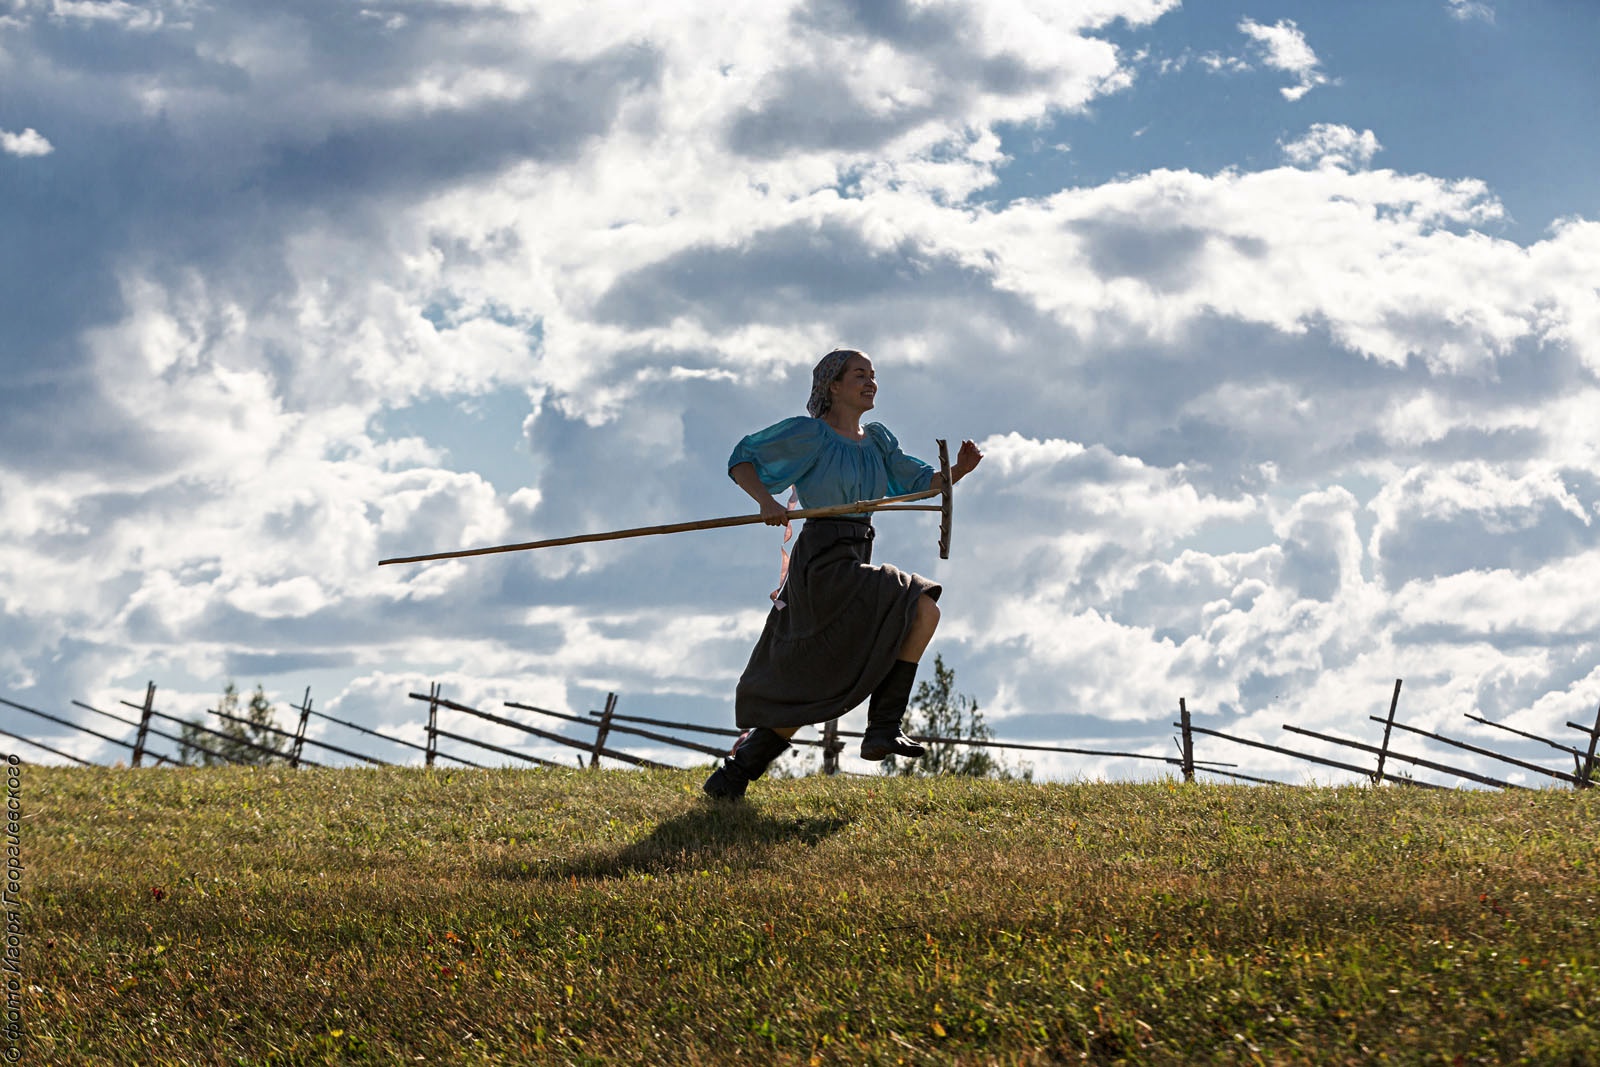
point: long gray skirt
(838, 634)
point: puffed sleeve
(907, 474)
(782, 453)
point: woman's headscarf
(828, 369)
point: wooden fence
(608, 723)
(1582, 776)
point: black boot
(885, 712)
(752, 754)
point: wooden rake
(905, 502)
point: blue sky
(1279, 324)
(1505, 95)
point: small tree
(937, 710)
(236, 746)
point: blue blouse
(828, 468)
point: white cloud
(1230, 417)
(1332, 145)
(1442, 520)
(1525, 611)
(1321, 546)
(135, 17)
(25, 144)
(1218, 63)
(1293, 250)
(1464, 10)
(1285, 48)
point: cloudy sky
(1279, 324)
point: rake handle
(889, 503)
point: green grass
(352, 916)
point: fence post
(605, 728)
(433, 722)
(300, 733)
(1586, 779)
(1383, 750)
(831, 747)
(144, 722)
(1188, 740)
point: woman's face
(856, 385)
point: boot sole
(878, 755)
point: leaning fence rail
(386, 737)
(1415, 761)
(494, 748)
(1308, 757)
(1490, 753)
(434, 700)
(609, 726)
(1245, 777)
(75, 726)
(924, 738)
(150, 712)
(150, 730)
(1577, 753)
(47, 748)
(297, 739)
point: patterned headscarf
(827, 370)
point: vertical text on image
(11, 898)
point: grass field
(352, 916)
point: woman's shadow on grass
(719, 834)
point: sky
(1278, 324)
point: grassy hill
(353, 916)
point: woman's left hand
(966, 459)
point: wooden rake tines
(945, 507)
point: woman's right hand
(744, 476)
(773, 513)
